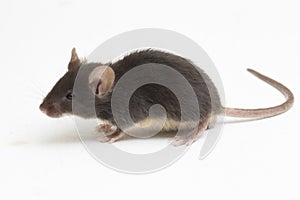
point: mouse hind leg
(194, 135)
(212, 121)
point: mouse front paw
(105, 128)
(116, 135)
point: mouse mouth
(51, 111)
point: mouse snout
(43, 109)
(50, 109)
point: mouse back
(150, 94)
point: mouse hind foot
(194, 135)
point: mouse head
(97, 82)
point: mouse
(101, 79)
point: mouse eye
(69, 96)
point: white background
(42, 158)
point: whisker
(38, 89)
(34, 97)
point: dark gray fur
(144, 97)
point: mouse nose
(43, 109)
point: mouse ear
(101, 80)
(75, 61)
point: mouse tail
(264, 112)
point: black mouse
(100, 81)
